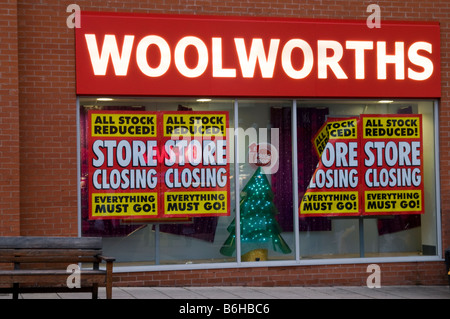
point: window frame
(297, 261)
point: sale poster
(158, 164)
(368, 165)
(333, 189)
(392, 164)
(196, 168)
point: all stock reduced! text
(125, 125)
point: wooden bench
(33, 256)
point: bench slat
(48, 252)
(50, 277)
(50, 259)
(46, 289)
(49, 255)
(50, 242)
(46, 272)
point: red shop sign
(177, 55)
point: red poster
(333, 189)
(157, 164)
(371, 165)
(196, 174)
(123, 169)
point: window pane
(145, 242)
(389, 234)
(266, 201)
(265, 193)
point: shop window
(156, 241)
(388, 230)
(265, 179)
(272, 226)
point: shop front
(273, 151)
(262, 143)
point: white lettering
(359, 47)
(180, 62)
(294, 52)
(98, 153)
(286, 58)
(398, 59)
(257, 53)
(324, 61)
(420, 60)
(141, 56)
(218, 70)
(110, 49)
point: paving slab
(285, 292)
(247, 292)
(213, 293)
(140, 293)
(71, 295)
(370, 293)
(40, 296)
(415, 292)
(339, 293)
(257, 293)
(178, 293)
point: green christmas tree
(259, 228)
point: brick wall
(48, 161)
(38, 179)
(322, 275)
(9, 121)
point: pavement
(257, 293)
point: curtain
(309, 121)
(99, 227)
(203, 228)
(398, 223)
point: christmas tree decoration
(259, 229)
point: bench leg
(15, 291)
(95, 291)
(108, 292)
(109, 280)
